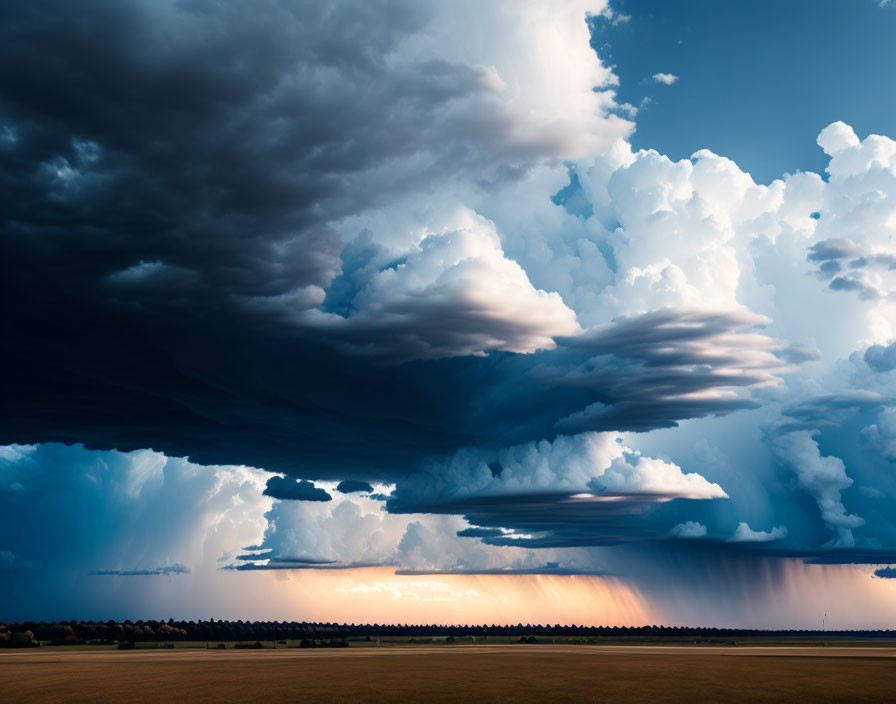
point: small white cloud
(744, 534)
(614, 17)
(689, 529)
(665, 78)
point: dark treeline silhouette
(109, 632)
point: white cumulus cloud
(665, 78)
(744, 534)
(688, 529)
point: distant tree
(22, 639)
(168, 632)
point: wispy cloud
(9, 560)
(165, 570)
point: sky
(428, 312)
(757, 79)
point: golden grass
(481, 674)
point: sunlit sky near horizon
(438, 312)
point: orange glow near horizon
(499, 599)
(797, 598)
(378, 595)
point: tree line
(109, 632)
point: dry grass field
(446, 674)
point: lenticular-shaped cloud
(654, 370)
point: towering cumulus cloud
(454, 293)
(307, 286)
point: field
(484, 673)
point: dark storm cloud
(480, 533)
(199, 152)
(293, 405)
(160, 162)
(352, 486)
(166, 194)
(157, 180)
(293, 489)
(165, 189)
(886, 572)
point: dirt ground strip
(446, 674)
